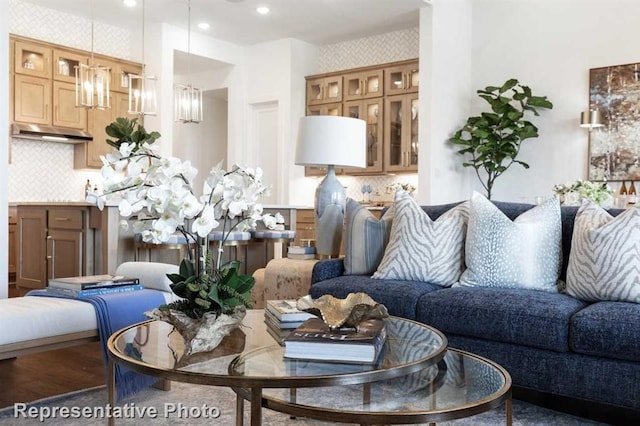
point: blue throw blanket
(114, 312)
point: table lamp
(326, 140)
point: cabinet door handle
(363, 86)
(62, 219)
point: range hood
(49, 133)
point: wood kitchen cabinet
(65, 113)
(51, 243)
(363, 85)
(401, 133)
(65, 63)
(87, 155)
(401, 79)
(13, 243)
(369, 110)
(32, 99)
(32, 59)
(322, 90)
(386, 97)
(305, 225)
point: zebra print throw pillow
(524, 253)
(604, 262)
(365, 238)
(421, 249)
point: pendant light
(92, 81)
(188, 99)
(142, 88)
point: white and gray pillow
(365, 238)
(604, 262)
(421, 249)
(524, 253)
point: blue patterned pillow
(604, 262)
(524, 253)
(421, 249)
(365, 239)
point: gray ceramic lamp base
(330, 205)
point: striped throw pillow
(421, 249)
(365, 238)
(604, 262)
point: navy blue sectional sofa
(549, 342)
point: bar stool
(236, 239)
(177, 241)
(279, 239)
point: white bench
(34, 324)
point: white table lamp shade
(331, 140)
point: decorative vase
(203, 334)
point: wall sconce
(591, 119)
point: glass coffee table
(460, 385)
(251, 362)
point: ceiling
(314, 21)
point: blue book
(301, 250)
(94, 291)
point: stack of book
(300, 252)
(313, 340)
(282, 317)
(93, 285)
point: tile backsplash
(374, 50)
(43, 171)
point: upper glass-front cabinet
(65, 64)
(369, 110)
(401, 133)
(324, 90)
(402, 79)
(32, 60)
(363, 85)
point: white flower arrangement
(157, 193)
(405, 186)
(572, 194)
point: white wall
(205, 143)
(445, 88)
(550, 45)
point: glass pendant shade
(187, 100)
(142, 95)
(188, 103)
(92, 86)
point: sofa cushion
(607, 329)
(421, 249)
(523, 253)
(365, 238)
(399, 297)
(604, 262)
(520, 316)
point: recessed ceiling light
(262, 10)
(204, 25)
(129, 3)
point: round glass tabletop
(252, 358)
(460, 385)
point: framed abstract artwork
(614, 148)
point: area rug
(200, 405)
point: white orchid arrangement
(158, 193)
(572, 193)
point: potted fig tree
(491, 142)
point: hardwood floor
(31, 377)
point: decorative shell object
(200, 335)
(347, 312)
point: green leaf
(245, 283)
(508, 85)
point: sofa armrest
(327, 269)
